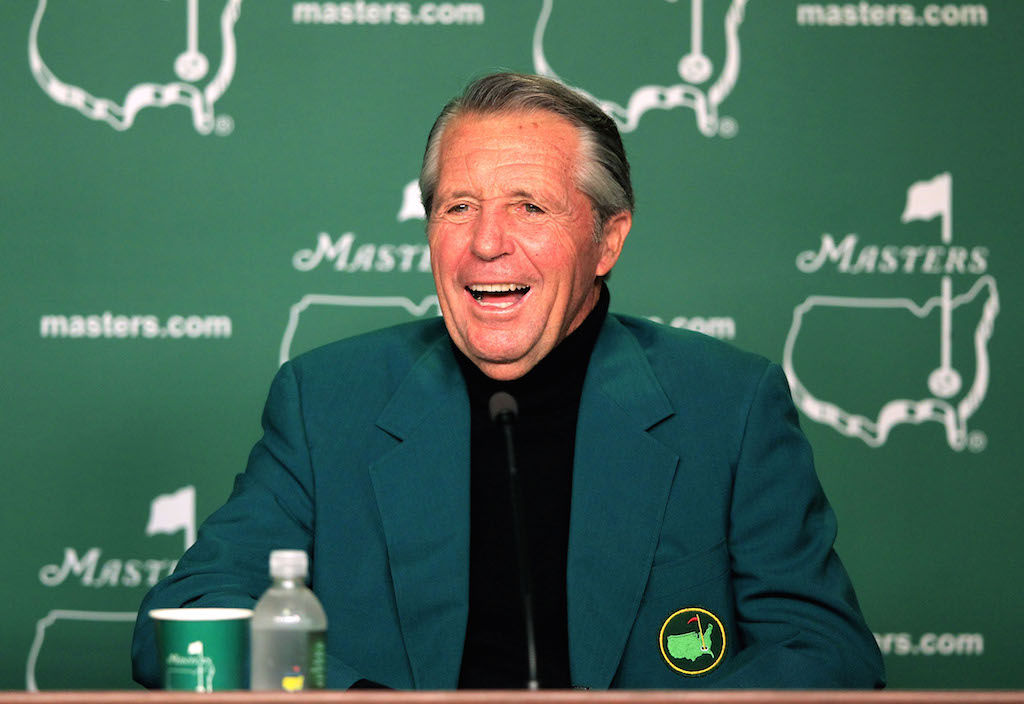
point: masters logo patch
(692, 641)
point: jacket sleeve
(270, 507)
(798, 620)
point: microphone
(504, 411)
(503, 407)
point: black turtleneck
(549, 398)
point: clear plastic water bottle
(289, 629)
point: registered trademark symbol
(977, 441)
(224, 125)
(728, 127)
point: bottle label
(290, 661)
(312, 673)
(317, 661)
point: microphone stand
(504, 410)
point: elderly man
(676, 532)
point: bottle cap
(289, 564)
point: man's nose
(491, 236)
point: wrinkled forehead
(521, 140)
(543, 129)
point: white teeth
(478, 291)
(496, 288)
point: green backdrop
(192, 191)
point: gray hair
(603, 172)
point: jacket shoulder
(397, 345)
(711, 385)
(365, 365)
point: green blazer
(693, 493)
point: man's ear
(615, 231)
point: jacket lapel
(621, 482)
(422, 492)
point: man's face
(511, 239)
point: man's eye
(531, 208)
(460, 208)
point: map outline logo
(680, 641)
(926, 200)
(694, 68)
(190, 66)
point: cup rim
(216, 613)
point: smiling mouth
(498, 295)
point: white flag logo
(169, 513)
(926, 199)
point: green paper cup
(203, 650)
